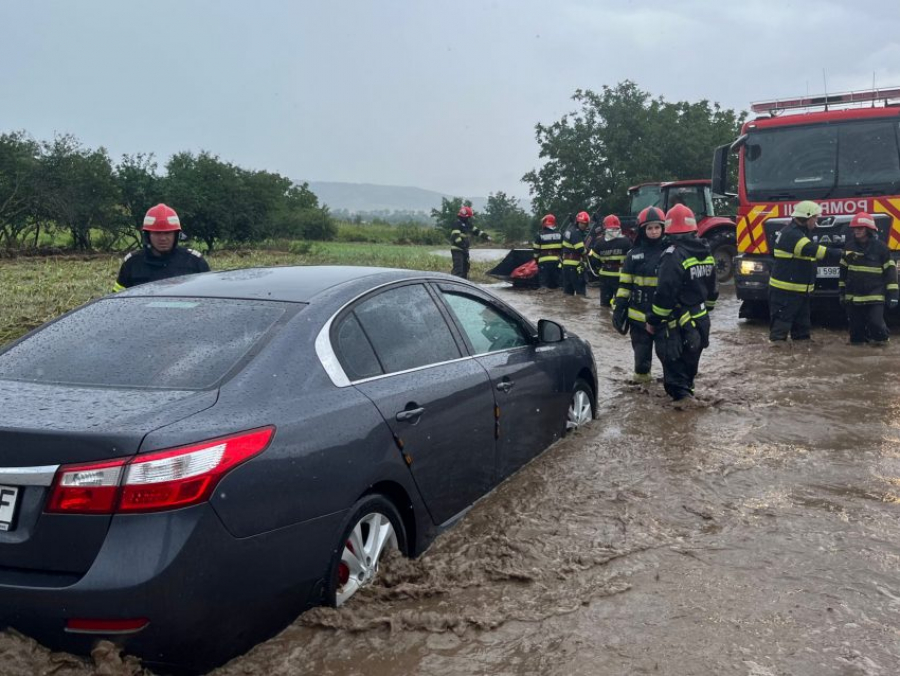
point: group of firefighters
(661, 287)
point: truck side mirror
(720, 171)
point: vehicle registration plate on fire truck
(8, 495)
(832, 272)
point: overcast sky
(439, 95)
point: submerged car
(188, 465)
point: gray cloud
(438, 95)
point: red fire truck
(841, 150)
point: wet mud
(756, 534)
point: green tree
(79, 191)
(503, 215)
(20, 158)
(619, 137)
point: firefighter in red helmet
(573, 281)
(637, 286)
(459, 241)
(868, 282)
(686, 291)
(547, 252)
(161, 256)
(610, 251)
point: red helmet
(612, 221)
(863, 220)
(161, 218)
(680, 220)
(583, 217)
(651, 215)
(465, 212)
(549, 221)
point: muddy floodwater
(756, 535)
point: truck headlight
(751, 267)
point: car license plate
(828, 273)
(8, 495)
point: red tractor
(719, 232)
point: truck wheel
(724, 249)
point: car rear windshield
(166, 343)
(845, 159)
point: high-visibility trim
(661, 311)
(691, 262)
(623, 293)
(626, 277)
(550, 247)
(790, 286)
(892, 287)
(710, 303)
(646, 281)
(702, 313)
(636, 315)
(546, 259)
(798, 247)
(609, 273)
(781, 253)
(571, 262)
(684, 319)
(821, 252)
(118, 287)
(889, 264)
(844, 262)
(865, 268)
(866, 299)
(842, 284)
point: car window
(165, 343)
(406, 328)
(355, 351)
(486, 328)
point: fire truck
(840, 150)
(718, 231)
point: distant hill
(367, 197)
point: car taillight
(156, 481)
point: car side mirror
(550, 332)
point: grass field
(37, 289)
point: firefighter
(459, 241)
(868, 280)
(161, 256)
(573, 256)
(610, 251)
(547, 252)
(793, 276)
(685, 294)
(637, 284)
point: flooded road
(756, 535)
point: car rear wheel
(373, 529)
(581, 407)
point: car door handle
(410, 415)
(505, 386)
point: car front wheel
(373, 529)
(581, 408)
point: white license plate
(8, 495)
(828, 273)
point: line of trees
(62, 189)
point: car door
(526, 376)
(437, 401)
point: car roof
(296, 284)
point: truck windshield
(843, 159)
(645, 196)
